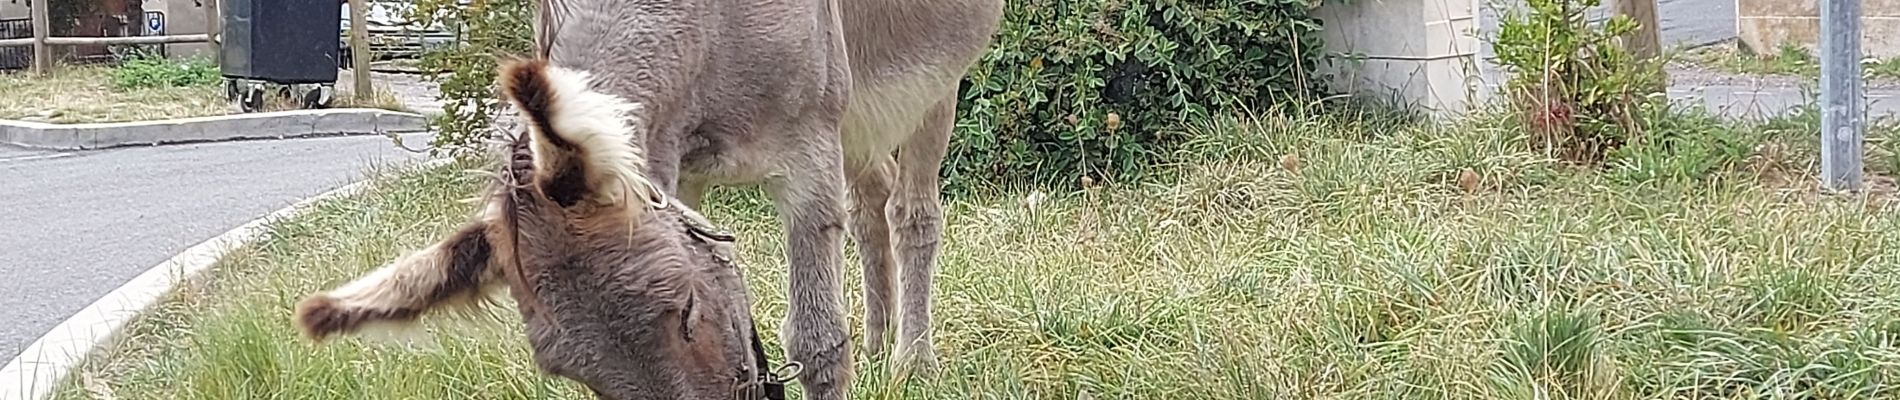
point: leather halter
(765, 382)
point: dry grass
(1355, 268)
(85, 94)
(380, 99)
(82, 94)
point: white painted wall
(10, 9)
(1420, 52)
(182, 17)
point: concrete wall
(1420, 52)
(1765, 25)
(10, 9)
(182, 17)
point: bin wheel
(253, 99)
(231, 90)
(319, 97)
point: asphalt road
(1684, 22)
(75, 225)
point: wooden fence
(42, 42)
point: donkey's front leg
(810, 200)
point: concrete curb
(36, 373)
(267, 125)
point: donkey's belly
(906, 57)
(883, 113)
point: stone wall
(1766, 25)
(1419, 52)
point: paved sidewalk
(78, 224)
(1756, 102)
(75, 225)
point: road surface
(75, 225)
(1693, 23)
(1684, 22)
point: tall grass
(1285, 258)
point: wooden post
(214, 25)
(1646, 42)
(359, 49)
(42, 27)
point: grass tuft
(1553, 351)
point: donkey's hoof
(911, 360)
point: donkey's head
(619, 287)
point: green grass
(1366, 274)
(1788, 60)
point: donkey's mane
(548, 16)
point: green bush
(1576, 90)
(485, 32)
(1101, 88)
(1069, 88)
(157, 72)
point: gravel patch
(414, 90)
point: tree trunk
(1645, 43)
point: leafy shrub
(1573, 87)
(1100, 88)
(156, 72)
(1069, 87)
(486, 31)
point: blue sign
(154, 23)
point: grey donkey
(835, 107)
(620, 288)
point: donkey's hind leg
(870, 186)
(918, 213)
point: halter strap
(771, 384)
(765, 383)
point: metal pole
(1842, 117)
(42, 27)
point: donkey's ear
(582, 140)
(452, 276)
